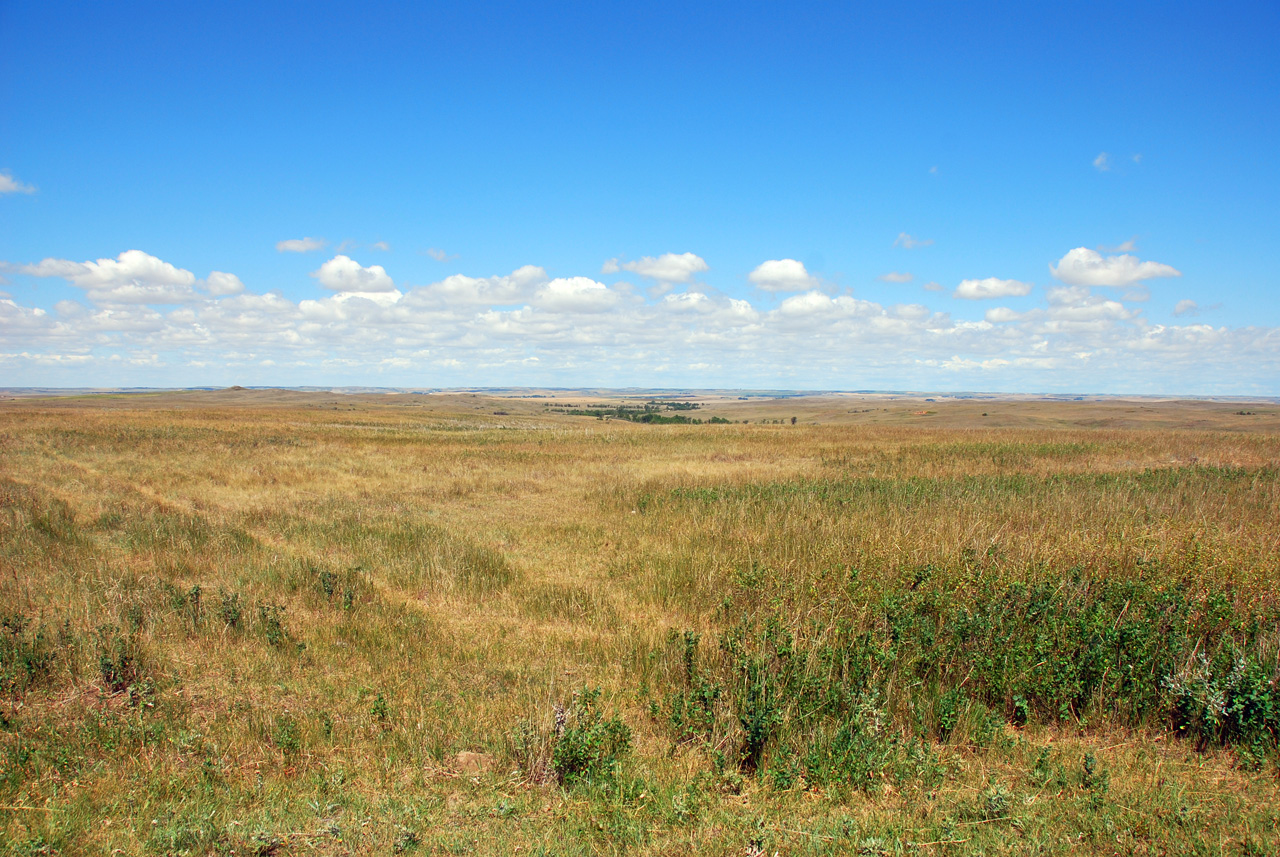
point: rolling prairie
(304, 623)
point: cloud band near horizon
(161, 320)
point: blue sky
(1016, 197)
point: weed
(950, 708)
(379, 711)
(27, 655)
(585, 746)
(995, 802)
(119, 661)
(194, 607)
(286, 734)
(407, 840)
(272, 628)
(1092, 778)
(230, 609)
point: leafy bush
(230, 610)
(1216, 704)
(271, 626)
(120, 663)
(286, 735)
(588, 745)
(27, 655)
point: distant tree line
(650, 412)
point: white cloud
(1085, 267)
(377, 298)
(461, 290)
(783, 275)
(827, 309)
(439, 255)
(133, 277)
(380, 245)
(931, 286)
(1002, 315)
(915, 312)
(895, 277)
(991, 287)
(219, 283)
(575, 294)
(908, 242)
(1102, 163)
(344, 274)
(809, 303)
(300, 245)
(70, 309)
(132, 267)
(1077, 304)
(524, 328)
(667, 268)
(1186, 307)
(8, 184)
(685, 301)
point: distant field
(260, 622)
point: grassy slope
(417, 577)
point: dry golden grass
(448, 566)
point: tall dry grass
(256, 626)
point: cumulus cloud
(344, 274)
(380, 245)
(461, 290)
(8, 184)
(1079, 305)
(131, 266)
(991, 287)
(1002, 315)
(500, 329)
(932, 286)
(219, 283)
(667, 268)
(133, 277)
(1102, 163)
(300, 245)
(439, 255)
(908, 242)
(895, 277)
(687, 301)
(1186, 307)
(575, 294)
(783, 275)
(1085, 267)
(825, 307)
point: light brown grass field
(418, 574)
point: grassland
(287, 623)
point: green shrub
(272, 628)
(588, 746)
(230, 610)
(27, 655)
(286, 734)
(119, 659)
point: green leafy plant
(230, 609)
(588, 745)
